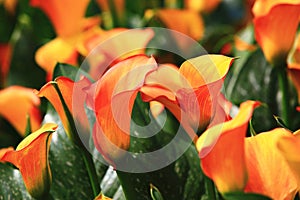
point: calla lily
(197, 80)
(188, 22)
(31, 158)
(112, 98)
(67, 97)
(17, 103)
(239, 164)
(64, 49)
(276, 25)
(65, 16)
(268, 172)
(225, 143)
(288, 144)
(99, 45)
(70, 25)
(5, 56)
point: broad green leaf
(72, 72)
(181, 179)
(11, 183)
(252, 78)
(70, 177)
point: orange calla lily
(57, 50)
(225, 143)
(100, 44)
(239, 164)
(112, 99)
(68, 19)
(198, 79)
(31, 158)
(269, 173)
(288, 144)
(188, 22)
(64, 49)
(16, 103)
(276, 25)
(64, 15)
(67, 97)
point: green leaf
(244, 196)
(252, 78)
(69, 176)
(11, 183)
(72, 72)
(180, 179)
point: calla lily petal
(113, 100)
(64, 15)
(99, 44)
(275, 31)
(188, 22)
(288, 145)
(225, 142)
(31, 157)
(268, 172)
(16, 103)
(199, 79)
(57, 50)
(67, 97)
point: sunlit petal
(65, 15)
(57, 50)
(268, 172)
(16, 103)
(222, 153)
(31, 158)
(288, 145)
(113, 98)
(67, 97)
(275, 30)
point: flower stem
(210, 189)
(90, 167)
(284, 88)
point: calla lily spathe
(31, 158)
(197, 80)
(275, 24)
(17, 104)
(255, 164)
(67, 97)
(112, 98)
(113, 95)
(66, 16)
